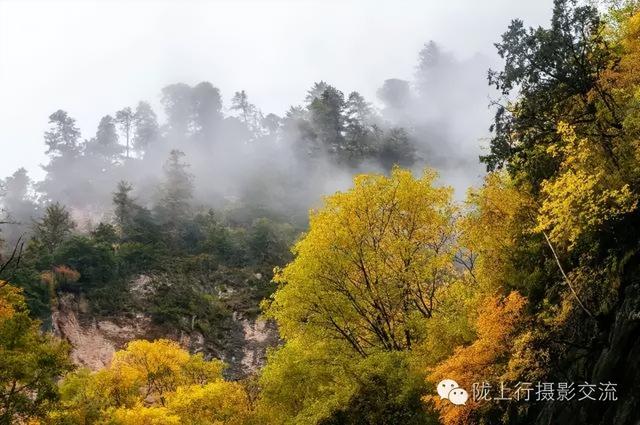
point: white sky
(92, 58)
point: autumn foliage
(153, 383)
(394, 286)
(499, 320)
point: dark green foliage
(133, 221)
(112, 299)
(265, 242)
(397, 149)
(54, 228)
(64, 150)
(176, 194)
(27, 277)
(227, 245)
(348, 131)
(219, 240)
(181, 302)
(125, 208)
(299, 131)
(554, 70)
(63, 136)
(94, 261)
(327, 118)
(105, 233)
(105, 145)
(268, 243)
(37, 255)
(361, 132)
(137, 258)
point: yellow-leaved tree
(496, 232)
(153, 382)
(497, 218)
(353, 305)
(369, 267)
(30, 361)
(588, 190)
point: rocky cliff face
(614, 357)
(246, 352)
(95, 339)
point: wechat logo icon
(450, 390)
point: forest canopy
(204, 224)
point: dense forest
(333, 228)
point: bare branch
(16, 254)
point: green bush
(94, 261)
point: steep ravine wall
(94, 340)
(617, 361)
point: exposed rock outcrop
(616, 360)
(94, 341)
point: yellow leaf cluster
(498, 215)
(10, 299)
(141, 415)
(218, 403)
(153, 382)
(305, 380)
(586, 192)
(370, 264)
